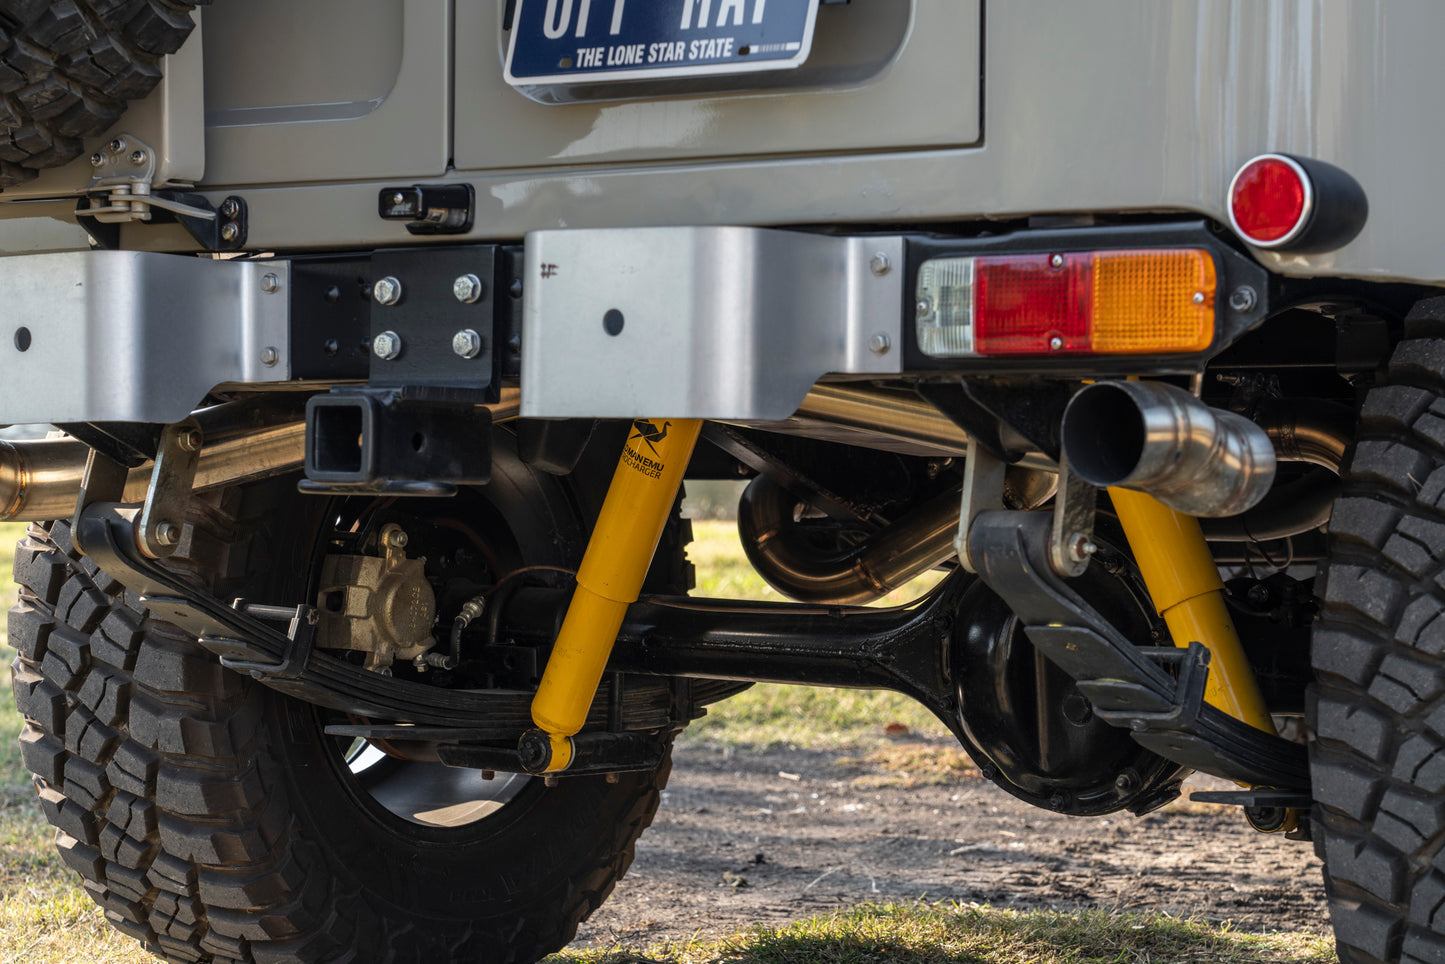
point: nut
(387, 346)
(469, 290)
(467, 343)
(190, 440)
(387, 291)
(168, 534)
(397, 539)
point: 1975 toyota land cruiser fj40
(383, 333)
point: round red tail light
(1271, 200)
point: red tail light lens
(1270, 200)
(1033, 304)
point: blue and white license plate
(589, 41)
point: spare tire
(69, 68)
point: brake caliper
(382, 606)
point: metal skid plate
(711, 322)
(129, 336)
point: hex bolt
(880, 344)
(881, 264)
(138, 158)
(97, 159)
(230, 231)
(269, 356)
(387, 291)
(230, 208)
(397, 539)
(467, 343)
(1243, 298)
(270, 282)
(190, 440)
(469, 290)
(168, 534)
(387, 346)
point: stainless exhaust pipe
(886, 560)
(1162, 440)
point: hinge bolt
(468, 289)
(387, 291)
(467, 343)
(387, 346)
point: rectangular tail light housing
(1122, 302)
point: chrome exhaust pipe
(886, 560)
(1162, 440)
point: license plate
(591, 41)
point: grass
(46, 918)
(973, 934)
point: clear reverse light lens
(945, 308)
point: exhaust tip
(1103, 433)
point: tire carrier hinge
(631, 523)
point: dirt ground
(747, 837)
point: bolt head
(468, 289)
(138, 158)
(1199, 297)
(387, 291)
(1243, 298)
(924, 306)
(230, 231)
(168, 534)
(880, 344)
(880, 264)
(117, 145)
(97, 159)
(467, 343)
(270, 282)
(397, 539)
(230, 208)
(269, 356)
(398, 198)
(190, 440)
(387, 346)
(1057, 261)
(1056, 343)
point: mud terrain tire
(1378, 710)
(212, 820)
(69, 67)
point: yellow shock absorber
(635, 512)
(1184, 583)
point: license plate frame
(574, 42)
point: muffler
(1163, 441)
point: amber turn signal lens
(1153, 301)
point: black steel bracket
(1125, 681)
